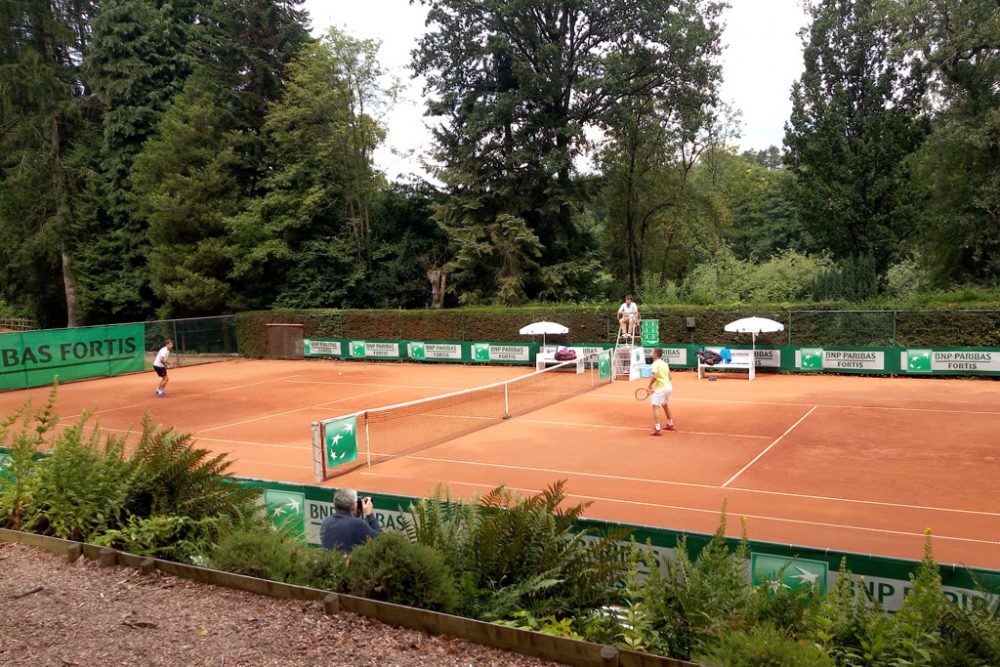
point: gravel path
(57, 614)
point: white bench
(743, 360)
(545, 359)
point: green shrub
(917, 624)
(167, 498)
(513, 553)
(258, 550)
(154, 536)
(854, 279)
(22, 441)
(785, 277)
(78, 490)
(762, 646)
(393, 569)
(685, 603)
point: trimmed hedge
(820, 326)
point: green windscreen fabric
(36, 358)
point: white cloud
(763, 56)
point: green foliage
(848, 625)
(514, 553)
(549, 625)
(165, 498)
(788, 276)
(515, 90)
(186, 182)
(255, 548)
(855, 120)
(762, 646)
(305, 240)
(169, 475)
(917, 624)
(855, 280)
(502, 248)
(80, 488)
(393, 569)
(959, 165)
(908, 279)
(23, 442)
(156, 536)
(684, 604)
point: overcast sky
(763, 55)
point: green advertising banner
(604, 366)
(376, 349)
(37, 358)
(951, 361)
(341, 441)
(322, 347)
(504, 353)
(787, 572)
(840, 359)
(650, 333)
(286, 509)
(438, 351)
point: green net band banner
(36, 358)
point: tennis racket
(641, 394)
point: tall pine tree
(48, 132)
(141, 55)
(855, 120)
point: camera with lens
(361, 505)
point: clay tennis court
(859, 464)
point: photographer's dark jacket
(343, 531)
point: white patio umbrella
(754, 326)
(542, 328)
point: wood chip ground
(53, 613)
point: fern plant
(520, 553)
(80, 487)
(169, 475)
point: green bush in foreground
(166, 498)
(257, 549)
(514, 554)
(762, 646)
(393, 569)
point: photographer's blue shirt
(344, 531)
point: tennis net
(380, 434)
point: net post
(368, 443)
(506, 401)
(317, 447)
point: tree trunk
(438, 278)
(70, 285)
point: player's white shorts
(661, 396)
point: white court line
(687, 399)
(710, 487)
(635, 428)
(383, 383)
(284, 412)
(272, 445)
(768, 448)
(716, 512)
(182, 396)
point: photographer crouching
(345, 528)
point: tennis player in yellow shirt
(661, 387)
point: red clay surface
(860, 464)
